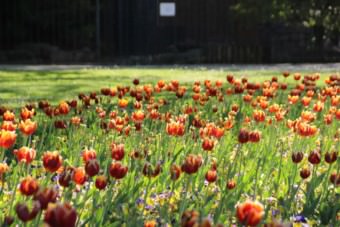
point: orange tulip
(138, 116)
(89, 155)
(310, 93)
(263, 104)
(211, 176)
(250, 213)
(161, 83)
(335, 100)
(279, 116)
(305, 129)
(79, 176)
(328, 118)
(26, 113)
(154, 114)
(247, 98)
(75, 120)
(297, 76)
(122, 103)
(150, 223)
(274, 108)
(228, 124)
(175, 128)
(293, 99)
(3, 168)
(306, 100)
(318, 107)
(63, 108)
(259, 115)
(25, 154)
(28, 127)
(8, 116)
(337, 114)
(7, 139)
(219, 83)
(307, 116)
(8, 126)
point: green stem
(109, 197)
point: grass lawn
(20, 87)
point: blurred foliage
(323, 16)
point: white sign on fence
(167, 9)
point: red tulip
(23, 212)
(117, 170)
(192, 163)
(52, 161)
(46, 196)
(101, 182)
(29, 186)
(211, 176)
(92, 167)
(117, 151)
(58, 215)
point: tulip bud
(314, 157)
(101, 182)
(305, 173)
(243, 136)
(331, 157)
(211, 176)
(92, 167)
(231, 184)
(297, 157)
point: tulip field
(226, 150)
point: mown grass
(20, 87)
